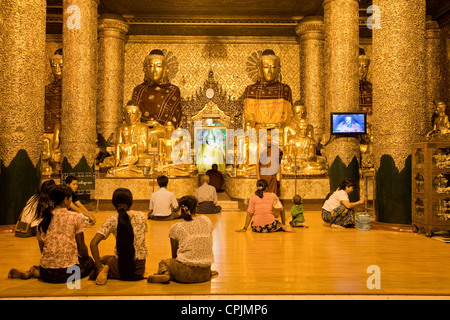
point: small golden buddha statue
(158, 99)
(176, 148)
(127, 155)
(139, 131)
(300, 147)
(268, 102)
(165, 144)
(365, 86)
(366, 148)
(52, 112)
(247, 146)
(441, 125)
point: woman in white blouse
(192, 248)
(337, 210)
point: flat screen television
(348, 123)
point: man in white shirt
(163, 203)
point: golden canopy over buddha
(300, 147)
(268, 102)
(158, 99)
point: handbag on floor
(24, 229)
(277, 206)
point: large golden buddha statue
(268, 102)
(157, 99)
(52, 114)
(300, 147)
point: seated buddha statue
(441, 125)
(126, 156)
(268, 102)
(139, 131)
(300, 147)
(52, 112)
(173, 146)
(158, 99)
(136, 132)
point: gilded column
(22, 83)
(112, 33)
(341, 27)
(79, 96)
(311, 38)
(435, 88)
(399, 103)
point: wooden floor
(315, 262)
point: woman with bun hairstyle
(192, 248)
(260, 209)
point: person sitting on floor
(260, 209)
(129, 228)
(337, 210)
(192, 248)
(31, 211)
(216, 178)
(163, 203)
(298, 220)
(207, 197)
(77, 206)
(60, 235)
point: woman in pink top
(260, 209)
(61, 241)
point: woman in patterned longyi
(192, 248)
(61, 241)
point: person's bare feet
(102, 277)
(16, 274)
(337, 226)
(158, 278)
(214, 273)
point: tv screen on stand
(347, 123)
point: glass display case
(430, 187)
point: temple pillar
(341, 28)
(311, 38)
(79, 96)
(22, 88)
(112, 38)
(399, 105)
(435, 88)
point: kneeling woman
(337, 210)
(192, 248)
(129, 228)
(260, 209)
(61, 241)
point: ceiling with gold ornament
(221, 17)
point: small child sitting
(298, 220)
